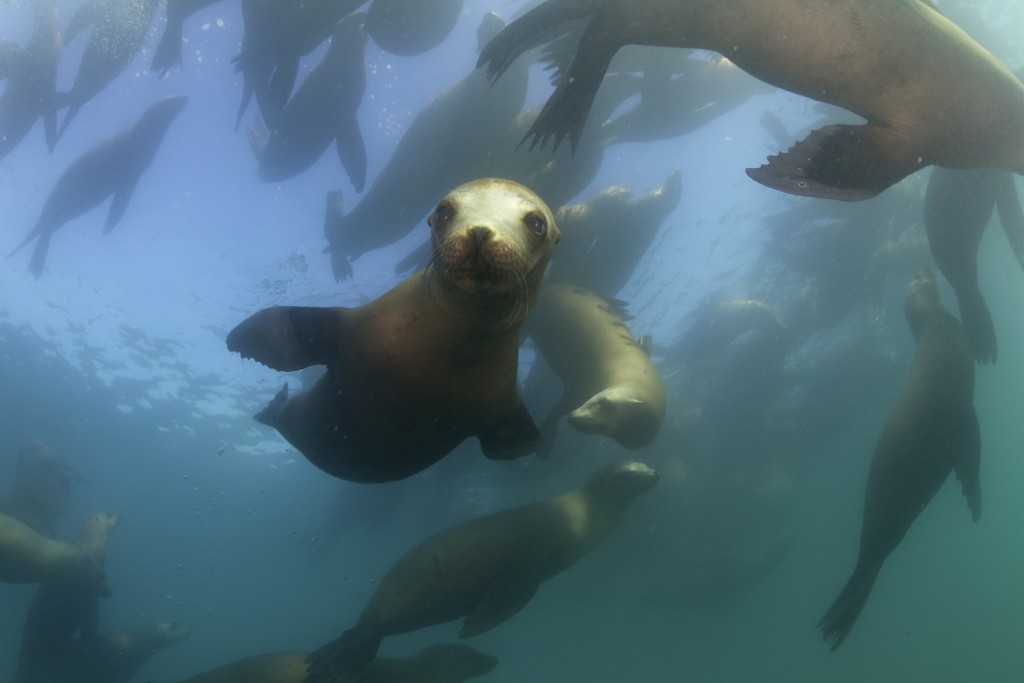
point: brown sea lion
(485, 570)
(428, 364)
(932, 431)
(930, 94)
(433, 664)
(28, 557)
(611, 387)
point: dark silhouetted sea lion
(31, 73)
(411, 27)
(428, 364)
(119, 28)
(611, 387)
(111, 168)
(930, 94)
(957, 209)
(433, 664)
(322, 110)
(485, 570)
(932, 431)
(168, 51)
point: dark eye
(537, 224)
(442, 214)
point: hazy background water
(116, 357)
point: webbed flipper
(968, 464)
(289, 338)
(119, 205)
(351, 150)
(511, 437)
(1011, 216)
(501, 600)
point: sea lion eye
(536, 223)
(442, 214)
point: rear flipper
(1011, 216)
(978, 325)
(271, 415)
(344, 658)
(351, 151)
(968, 465)
(843, 613)
(290, 338)
(844, 162)
(511, 437)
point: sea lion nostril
(480, 234)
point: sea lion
(28, 557)
(31, 72)
(411, 27)
(611, 387)
(119, 28)
(930, 94)
(428, 364)
(42, 485)
(433, 664)
(485, 570)
(111, 168)
(117, 658)
(168, 51)
(321, 111)
(957, 208)
(932, 431)
(62, 609)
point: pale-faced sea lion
(428, 364)
(932, 431)
(322, 111)
(611, 387)
(411, 27)
(957, 208)
(28, 557)
(168, 51)
(31, 73)
(433, 664)
(485, 570)
(930, 94)
(111, 168)
(62, 610)
(119, 28)
(117, 658)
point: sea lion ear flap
(290, 338)
(511, 437)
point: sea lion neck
(476, 310)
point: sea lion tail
(345, 657)
(978, 325)
(843, 613)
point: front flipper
(501, 600)
(844, 162)
(290, 338)
(119, 205)
(968, 465)
(351, 151)
(1011, 216)
(511, 437)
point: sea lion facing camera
(930, 94)
(485, 570)
(611, 387)
(428, 364)
(932, 431)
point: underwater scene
(560, 341)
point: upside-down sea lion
(428, 364)
(930, 94)
(28, 557)
(111, 168)
(611, 387)
(931, 431)
(433, 664)
(31, 73)
(485, 570)
(957, 208)
(322, 111)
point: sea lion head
(452, 663)
(43, 478)
(621, 481)
(618, 413)
(94, 536)
(493, 238)
(922, 299)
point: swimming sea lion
(485, 570)
(62, 609)
(411, 27)
(930, 94)
(932, 431)
(111, 168)
(321, 111)
(119, 28)
(28, 557)
(117, 658)
(428, 364)
(168, 52)
(433, 664)
(42, 485)
(611, 387)
(957, 208)
(31, 72)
